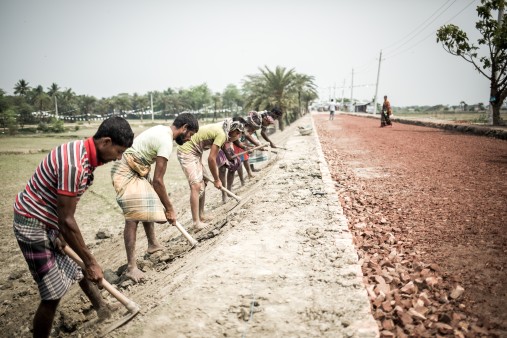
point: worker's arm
(159, 187)
(265, 136)
(212, 163)
(69, 230)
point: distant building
(362, 107)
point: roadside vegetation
(55, 110)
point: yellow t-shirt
(203, 140)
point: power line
(420, 31)
(415, 29)
(431, 33)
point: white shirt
(153, 142)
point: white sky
(106, 47)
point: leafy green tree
(21, 88)
(40, 99)
(122, 102)
(217, 102)
(87, 105)
(8, 121)
(492, 65)
(232, 98)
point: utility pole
(343, 95)
(334, 91)
(376, 86)
(351, 90)
(151, 103)
(56, 107)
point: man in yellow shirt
(212, 137)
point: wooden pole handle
(129, 304)
(249, 150)
(189, 238)
(228, 192)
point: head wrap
(230, 125)
(254, 120)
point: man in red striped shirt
(44, 219)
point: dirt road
(428, 209)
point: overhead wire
(415, 29)
(431, 33)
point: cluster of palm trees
(281, 87)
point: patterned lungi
(193, 168)
(53, 271)
(222, 160)
(238, 150)
(134, 191)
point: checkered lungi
(53, 271)
(134, 193)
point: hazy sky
(106, 47)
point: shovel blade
(117, 323)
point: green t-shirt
(153, 142)
(203, 140)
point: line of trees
(284, 88)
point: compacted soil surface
(428, 211)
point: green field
(463, 117)
(97, 209)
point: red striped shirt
(66, 170)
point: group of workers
(44, 212)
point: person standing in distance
(385, 114)
(332, 109)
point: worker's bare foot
(103, 313)
(205, 218)
(154, 248)
(200, 226)
(135, 274)
(251, 176)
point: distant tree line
(283, 88)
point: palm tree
(68, 102)
(21, 88)
(270, 89)
(40, 99)
(304, 87)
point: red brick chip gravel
(428, 211)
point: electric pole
(376, 86)
(343, 95)
(56, 107)
(151, 103)
(351, 90)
